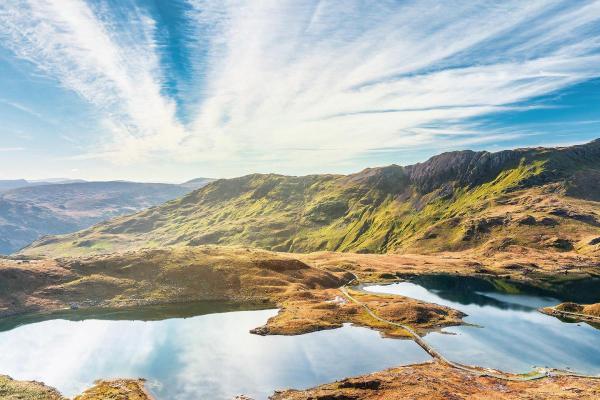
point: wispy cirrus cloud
(280, 77)
(21, 108)
(110, 63)
(358, 75)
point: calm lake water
(205, 350)
(208, 356)
(512, 335)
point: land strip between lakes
(555, 311)
(534, 375)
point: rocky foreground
(433, 381)
(11, 389)
(117, 389)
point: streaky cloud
(114, 68)
(341, 78)
(281, 70)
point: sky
(157, 90)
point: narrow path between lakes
(539, 374)
(567, 314)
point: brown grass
(435, 381)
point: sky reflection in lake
(513, 336)
(210, 356)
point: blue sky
(158, 90)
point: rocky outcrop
(466, 168)
(477, 227)
(576, 215)
(559, 243)
(470, 168)
(594, 241)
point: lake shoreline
(434, 380)
(126, 389)
(576, 312)
(431, 379)
(306, 295)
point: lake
(210, 356)
(511, 335)
(205, 350)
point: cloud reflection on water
(212, 356)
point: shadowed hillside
(540, 197)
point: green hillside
(538, 197)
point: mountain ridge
(451, 202)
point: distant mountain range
(196, 183)
(9, 184)
(32, 209)
(537, 197)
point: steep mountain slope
(543, 198)
(30, 212)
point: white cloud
(309, 81)
(353, 76)
(116, 71)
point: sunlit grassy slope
(534, 197)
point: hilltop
(542, 198)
